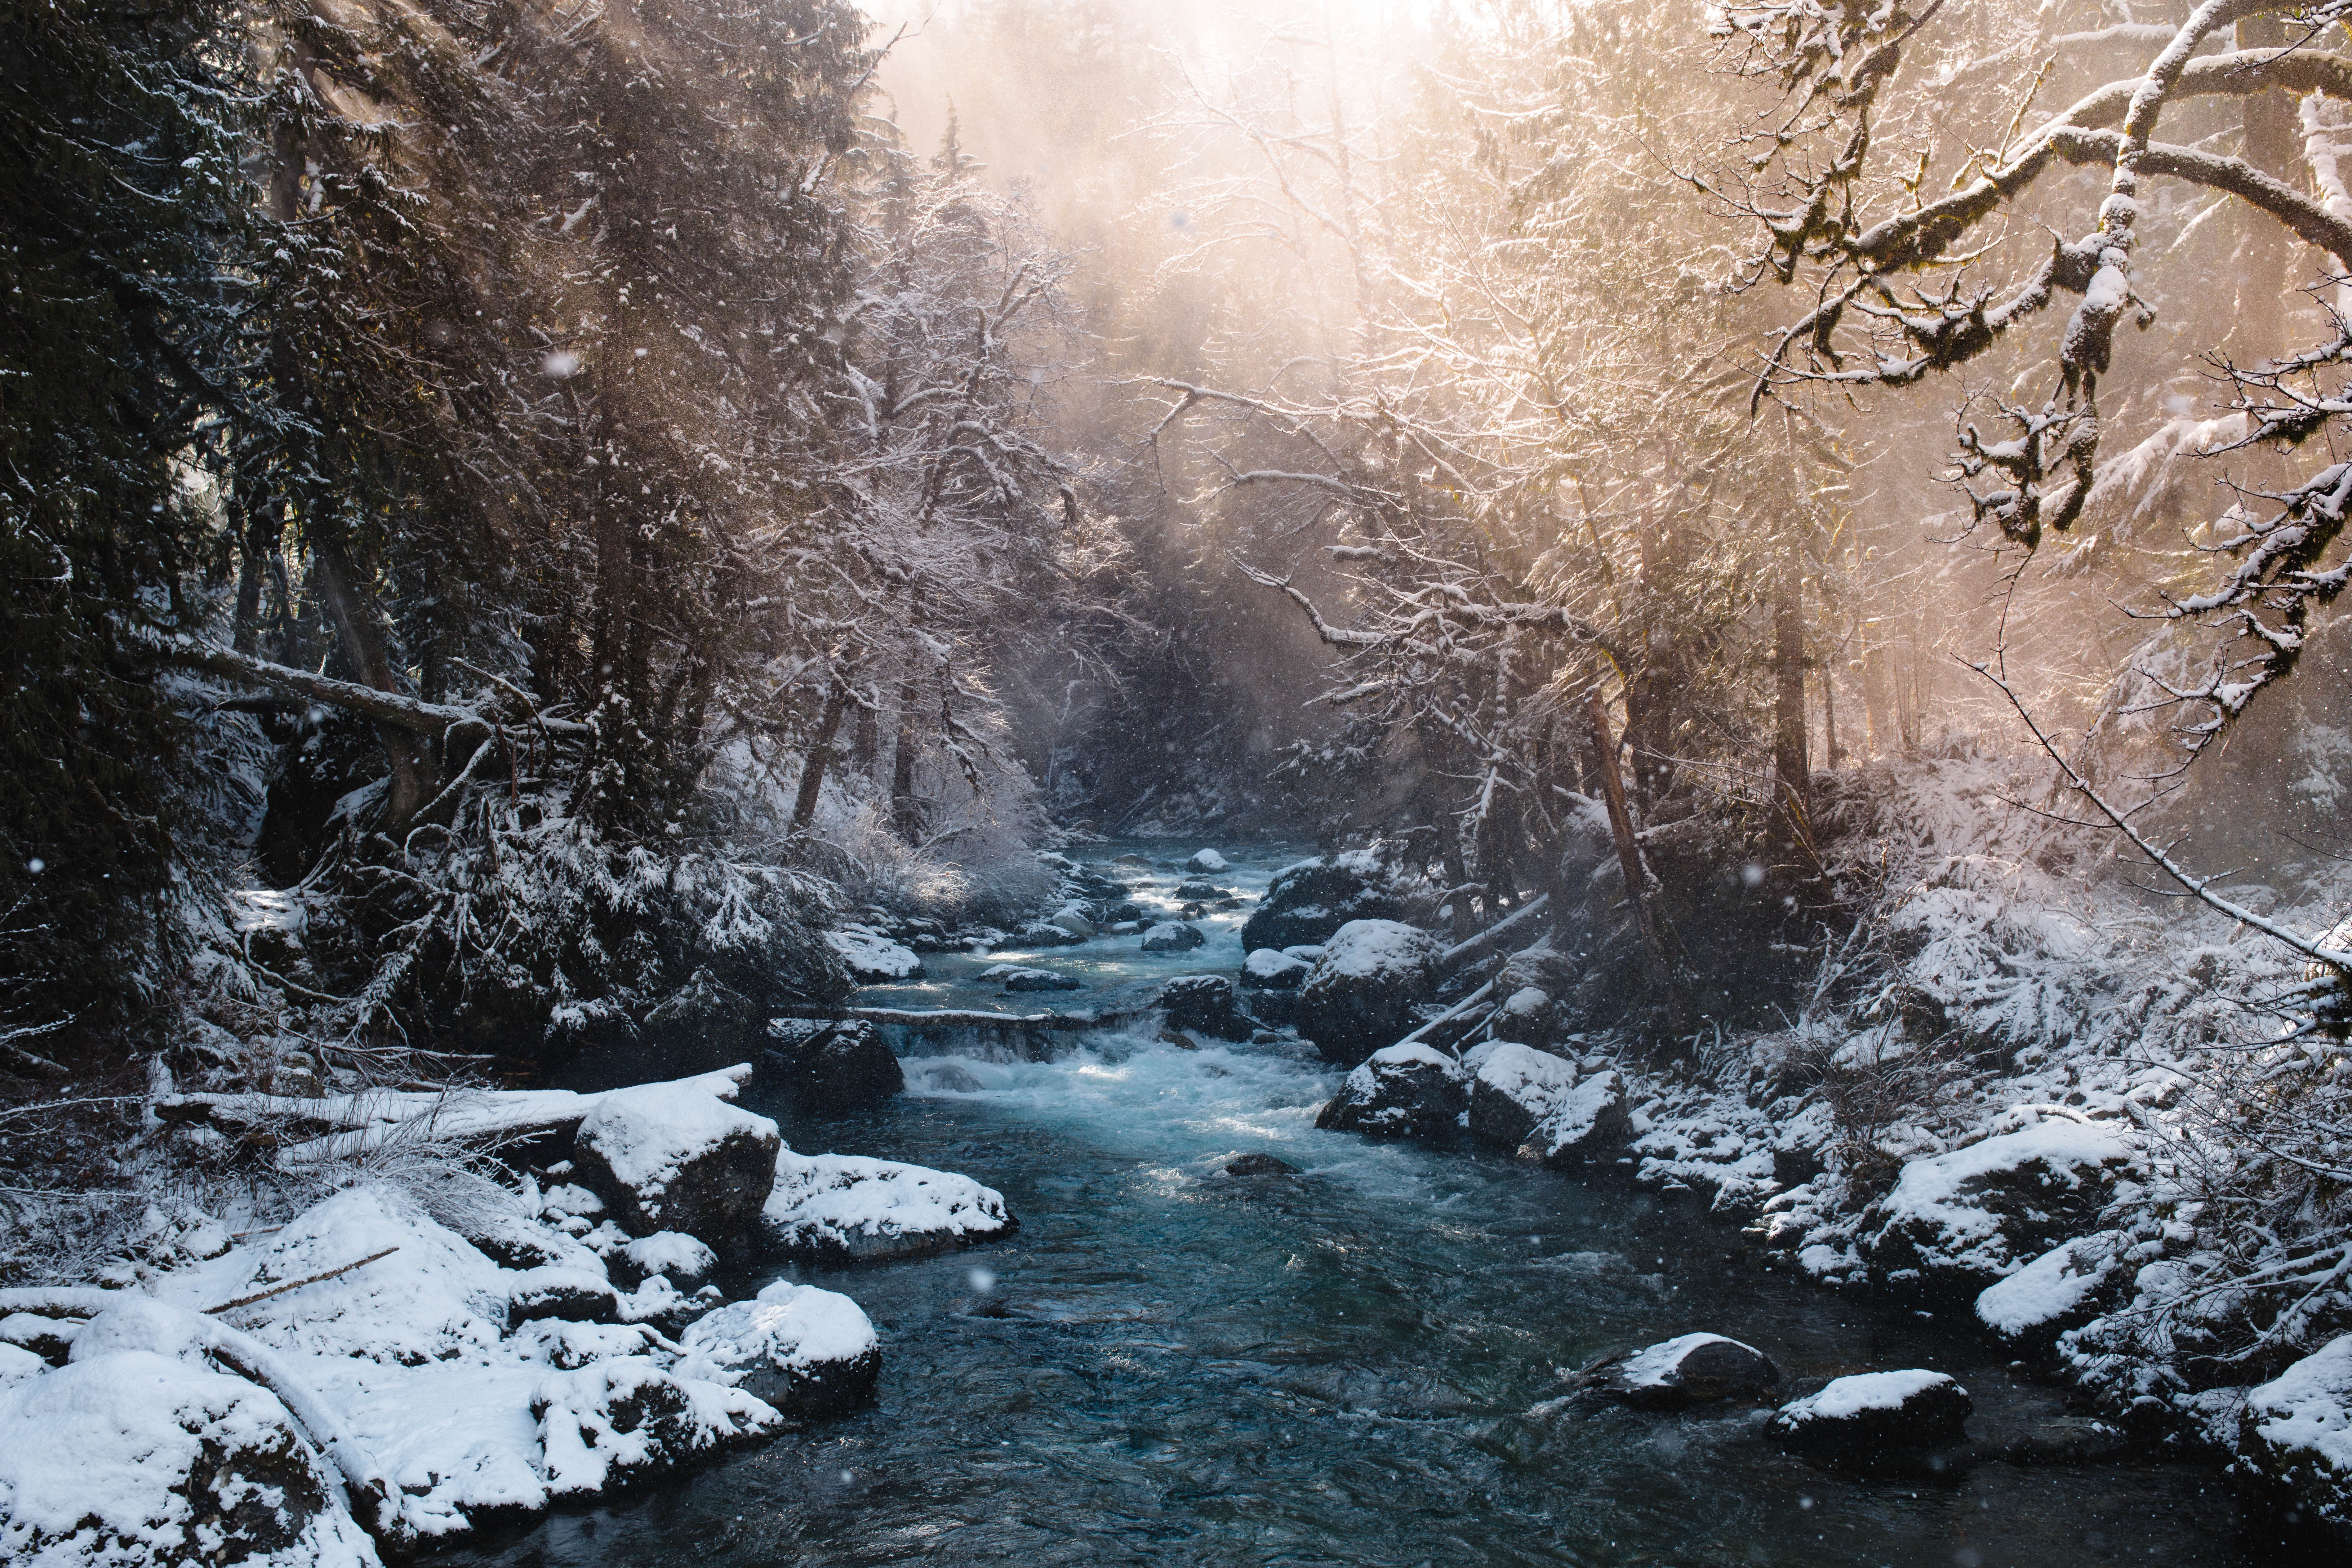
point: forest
(1307, 677)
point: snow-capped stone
(1270, 969)
(17, 1364)
(1591, 1121)
(684, 1262)
(844, 1207)
(1173, 936)
(1360, 994)
(614, 1422)
(1206, 1003)
(136, 1458)
(2055, 1291)
(1955, 1222)
(1043, 934)
(1398, 1091)
(805, 1351)
(573, 1295)
(1207, 860)
(1692, 1369)
(1017, 978)
(830, 1066)
(672, 1156)
(1307, 902)
(1072, 920)
(1513, 1088)
(2296, 1435)
(1856, 1419)
(872, 958)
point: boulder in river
(2294, 1438)
(673, 1156)
(1017, 978)
(1206, 1003)
(874, 959)
(830, 1066)
(1858, 1419)
(1207, 860)
(1270, 969)
(1047, 933)
(618, 1423)
(1308, 902)
(1693, 1369)
(1360, 994)
(1400, 1092)
(1173, 936)
(805, 1351)
(844, 1208)
(1513, 1088)
(1259, 1165)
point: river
(1361, 1363)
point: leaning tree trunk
(353, 610)
(1629, 851)
(1793, 787)
(820, 755)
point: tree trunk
(906, 812)
(821, 753)
(1629, 848)
(353, 610)
(1877, 697)
(2272, 143)
(1792, 786)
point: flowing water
(1361, 1363)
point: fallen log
(964, 1017)
(1517, 921)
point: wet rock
(1207, 1003)
(1307, 903)
(1260, 1166)
(1207, 892)
(1958, 1222)
(1859, 1419)
(1360, 994)
(874, 959)
(1043, 933)
(1017, 978)
(946, 1077)
(1173, 936)
(1279, 1008)
(1072, 920)
(830, 1066)
(139, 1458)
(1269, 969)
(1400, 1091)
(672, 1156)
(1140, 861)
(2294, 1440)
(573, 1295)
(1207, 860)
(1693, 1369)
(807, 1352)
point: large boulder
(673, 1156)
(1514, 1089)
(1693, 1369)
(1206, 1003)
(1360, 994)
(1019, 978)
(2294, 1438)
(1207, 860)
(1860, 1419)
(1400, 1092)
(1308, 901)
(874, 959)
(2063, 1289)
(1271, 969)
(135, 1457)
(830, 1066)
(1173, 936)
(1955, 1222)
(805, 1351)
(618, 1423)
(842, 1208)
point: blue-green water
(1361, 1364)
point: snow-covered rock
(1173, 936)
(2055, 1292)
(1692, 1369)
(1207, 860)
(1018, 978)
(1206, 1003)
(1307, 902)
(573, 1295)
(828, 1066)
(1360, 994)
(135, 1457)
(806, 1351)
(671, 1156)
(1400, 1092)
(1513, 1088)
(616, 1423)
(1590, 1122)
(1270, 969)
(844, 1207)
(872, 958)
(2296, 1436)
(686, 1262)
(1857, 1418)
(1957, 1222)
(1073, 920)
